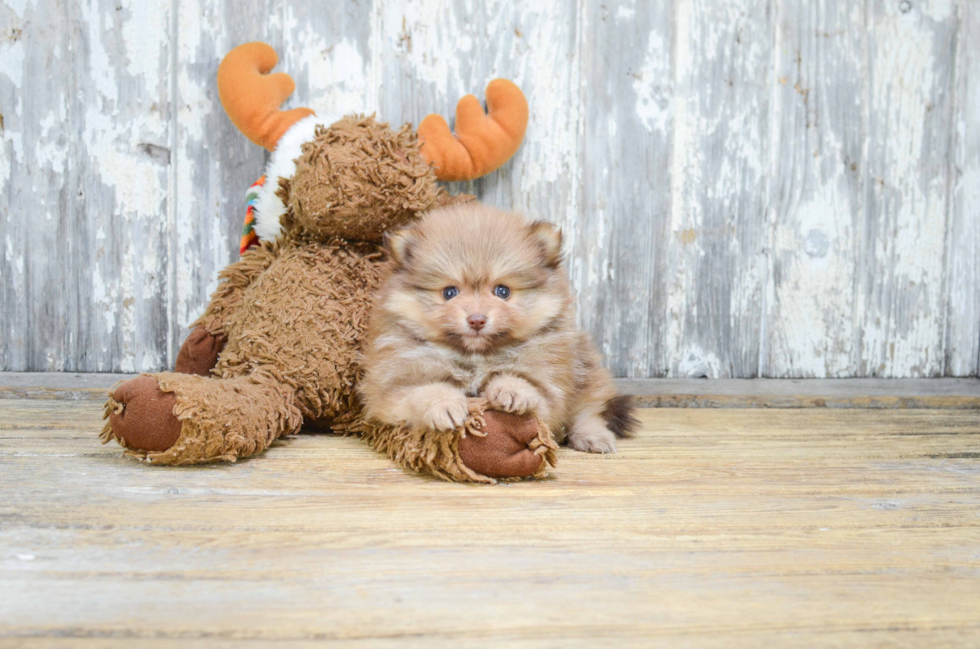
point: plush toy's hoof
(504, 451)
(199, 353)
(142, 417)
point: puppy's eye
(450, 292)
(502, 292)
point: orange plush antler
(252, 98)
(483, 142)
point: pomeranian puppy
(478, 304)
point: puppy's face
(476, 279)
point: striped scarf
(249, 236)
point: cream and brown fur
(478, 306)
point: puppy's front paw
(446, 413)
(592, 439)
(514, 394)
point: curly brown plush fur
(313, 296)
(291, 316)
(358, 179)
(232, 282)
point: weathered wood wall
(786, 188)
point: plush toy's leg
(491, 445)
(232, 282)
(511, 446)
(199, 353)
(174, 418)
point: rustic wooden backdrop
(785, 188)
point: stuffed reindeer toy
(278, 346)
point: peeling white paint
(548, 142)
(419, 30)
(106, 298)
(12, 56)
(101, 68)
(718, 184)
(187, 209)
(911, 204)
(816, 286)
(963, 236)
(695, 362)
(139, 189)
(816, 164)
(652, 85)
(13, 256)
(147, 40)
(6, 164)
(127, 319)
(19, 7)
(158, 223)
(685, 174)
(626, 11)
(49, 153)
(335, 72)
(937, 10)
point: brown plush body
(280, 342)
(293, 316)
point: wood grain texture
(622, 233)
(816, 208)
(37, 189)
(963, 239)
(115, 253)
(718, 188)
(900, 313)
(779, 188)
(710, 528)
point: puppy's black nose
(477, 321)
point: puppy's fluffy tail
(618, 414)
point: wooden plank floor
(712, 528)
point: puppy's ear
(399, 245)
(548, 237)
